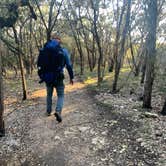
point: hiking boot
(58, 117)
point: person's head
(56, 37)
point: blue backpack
(51, 61)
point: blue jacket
(51, 45)
(68, 64)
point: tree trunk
(143, 73)
(120, 55)
(135, 66)
(95, 7)
(150, 47)
(93, 52)
(73, 52)
(31, 48)
(110, 64)
(100, 61)
(79, 46)
(163, 112)
(86, 42)
(2, 126)
(24, 88)
(78, 43)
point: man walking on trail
(51, 62)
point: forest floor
(98, 129)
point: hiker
(51, 62)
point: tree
(11, 13)
(85, 35)
(163, 112)
(150, 48)
(95, 8)
(54, 7)
(70, 13)
(136, 50)
(18, 46)
(9, 21)
(120, 54)
(2, 126)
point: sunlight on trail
(39, 93)
(68, 89)
(10, 100)
(70, 108)
(77, 85)
(91, 81)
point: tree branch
(41, 15)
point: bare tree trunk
(30, 48)
(52, 18)
(89, 59)
(110, 64)
(163, 112)
(95, 7)
(2, 126)
(76, 36)
(23, 77)
(150, 51)
(143, 72)
(135, 66)
(122, 50)
(81, 53)
(143, 62)
(86, 42)
(100, 61)
(116, 45)
(93, 52)
(79, 47)
(73, 52)
(24, 88)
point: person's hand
(71, 82)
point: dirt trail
(88, 136)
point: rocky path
(90, 135)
